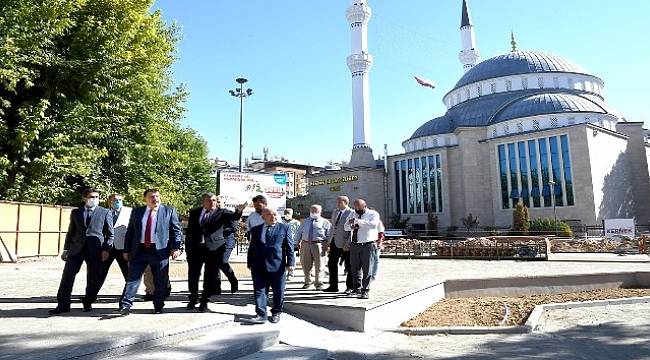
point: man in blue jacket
(153, 234)
(270, 255)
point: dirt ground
(489, 311)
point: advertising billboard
(237, 188)
(618, 228)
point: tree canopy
(87, 100)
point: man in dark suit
(270, 255)
(89, 239)
(154, 233)
(210, 239)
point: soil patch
(489, 311)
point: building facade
(528, 127)
(296, 174)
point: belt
(363, 243)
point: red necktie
(147, 229)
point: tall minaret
(469, 54)
(359, 63)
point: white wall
(605, 150)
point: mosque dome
(517, 63)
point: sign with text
(338, 180)
(237, 188)
(617, 228)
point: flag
(425, 82)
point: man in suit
(89, 239)
(339, 246)
(154, 233)
(120, 215)
(270, 255)
(210, 235)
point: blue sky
(293, 53)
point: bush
(547, 227)
(520, 220)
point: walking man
(339, 246)
(270, 255)
(154, 233)
(294, 224)
(120, 215)
(312, 233)
(89, 239)
(364, 224)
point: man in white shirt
(255, 218)
(312, 233)
(119, 214)
(364, 225)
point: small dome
(549, 103)
(516, 63)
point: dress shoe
(331, 290)
(88, 308)
(275, 318)
(306, 286)
(319, 287)
(191, 305)
(57, 310)
(352, 293)
(364, 294)
(169, 292)
(148, 297)
(158, 311)
(203, 307)
(234, 286)
(125, 312)
(256, 320)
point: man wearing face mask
(363, 224)
(339, 246)
(312, 233)
(120, 215)
(89, 239)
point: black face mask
(360, 212)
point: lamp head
(249, 92)
(241, 80)
(232, 93)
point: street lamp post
(241, 94)
(552, 183)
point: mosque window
(572, 121)
(493, 88)
(520, 127)
(540, 82)
(467, 94)
(424, 144)
(418, 185)
(600, 123)
(570, 81)
(494, 132)
(458, 98)
(535, 124)
(506, 129)
(398, 193)
(479, 90)
(587, 86)
(524, 83)
(556, 82)
(435, 142)
(508, 85)
(503, 175)
(554, 122)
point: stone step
(287, 352)
(226, 343)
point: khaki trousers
(310, 257)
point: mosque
(524, 126)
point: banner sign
(338, 180)
(616, 228)
(237, 188)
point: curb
(530, 325)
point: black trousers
(215, 261)
(115, 255)
(94, 272)
(195, 261)
(336, 253)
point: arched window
(508, 85)
(524, 83)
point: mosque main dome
(517, 63)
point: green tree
(520, 220)
(87, 99)
(470, 222)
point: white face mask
(92, 202)
(314, 215)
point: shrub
(520, 220)
(547, 227)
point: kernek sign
(619, 227)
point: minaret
(359, 63)
(469, 54)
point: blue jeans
(277, 281)
(160, 270)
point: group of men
(143, 239)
